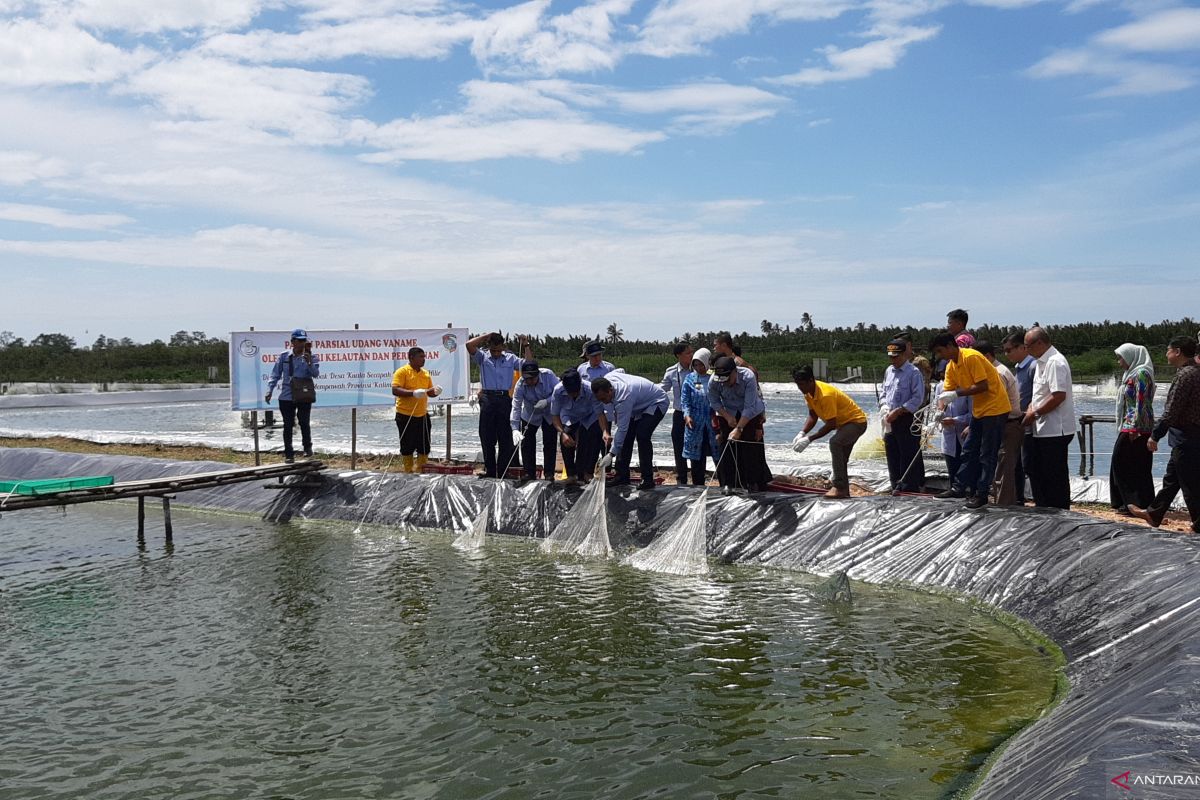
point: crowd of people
(1001, 429)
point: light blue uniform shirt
(672, 383)
(299, 369)
(526, 396)
(590, 373)
(742, 399)
(903, 387)
(497, 373)
(583, 410)
(633, 397)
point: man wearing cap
(531, 412)
(595, 366)
(672, 383)
(969, 373)
(575, 414)
(903, 394)
(638, 406)
(496, 370)
(841, 415)
(734, 396)
(412, 386)
(299, 362)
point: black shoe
(951, 494)
(646, 486)
(975, 502)
(308, 452)
(289, 459)
(521, 482)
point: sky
(551, 167)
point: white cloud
(300, 104)
(35, 54)
(684, 27)
(18, 167)
(1125, 76)
(396, 36)
(57, 218)
(860, 62)
(1173, 29)
(151, 16)
(522, 40)
(326, 10)
(816, 123)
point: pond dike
(1121, 602)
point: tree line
(774, 349)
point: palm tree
(807, 321)
(615, 334)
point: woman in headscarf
(699, 438)
(1129, 479)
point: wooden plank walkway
(158, 487)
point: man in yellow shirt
(412, 386)
(839, 413)
(969, 373)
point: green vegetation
(187, 356)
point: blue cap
(593, 347)
(300, 334)
(572, 381)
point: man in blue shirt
(734, 396)
(531, 412)
(1023, 368)
(595, 366)
(903, 394)
(672, 384)
(299, 362)
(638, 406)
(496, 370)
(575, 414)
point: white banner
(356, 366)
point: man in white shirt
(1005, 485)
(1052, 416)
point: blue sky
(668, 165)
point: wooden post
(254, 423)
(167, 533)
(354, 431)
(141, 519)
(1092, 449)
(449, 412)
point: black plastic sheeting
(1122, 602)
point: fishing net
(473, 538)
(584, 530)
(682, 549)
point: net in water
(584, 530)
(474, 537)
(683, 547)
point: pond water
(306, 661)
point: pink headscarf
(965, 340)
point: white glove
(419, 393)
(540, 405)
(801, 443)
(883, 419)
(517, 437)
(606, 461)
(946, 398)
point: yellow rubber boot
(408, 463)
(421, 461)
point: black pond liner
(1121, 602)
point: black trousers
(1129, 476)
(581, 459)
(641, 431)
(681, 464)
(1183, 474)
(742, 464)
(494, 430)
(1050, 474)
(293, 413)
(549, 449)
(414, 434)
(902, 447)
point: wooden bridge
(165, 489)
